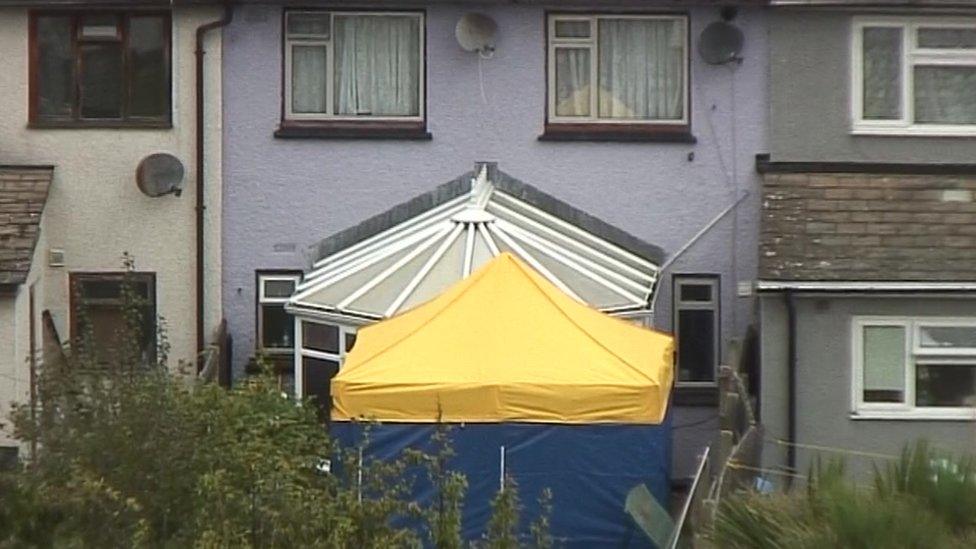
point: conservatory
(408, 255)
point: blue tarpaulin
(588, 468)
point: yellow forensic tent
(505, 345)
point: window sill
(99, 124)
(698, 395)
(620, 133)
(357, 130)
(915, 131)
(915, 415)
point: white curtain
(308, 74)
(572, 82)
(377, 65)
(945, 95)
(881, 48)
(641, 69)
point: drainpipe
(791, 378)
(200, 207)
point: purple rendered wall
(280, 196)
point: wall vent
(55, 257)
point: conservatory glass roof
(412, 253)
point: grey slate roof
(502, 181)
(865, 227)
(23, 193)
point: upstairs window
(915, 367)
(276, 328)
(618, 70)
(914, 76)
(354, 66)
(100, 68)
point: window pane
(98, 310)
(316, 24)
(350, 340)
(947, 337)
(696, 345)
(148, 88)
(572, 29)
(308, 79)
(882, 73)
(884, 364)
(377, 65)
(55, 68)
(944, 95)
(641, 69)
(100, 26)
(317, 377)
(277, 328)
(101, 80)
(278, 288)
(320, 337)
(100, 289)
(696, 292)
(945, 385)
(572, 82)
(947, 38)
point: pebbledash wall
(282, 195)
(94, 210)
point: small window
(354, 66)
(618, 69)
(914, 76)
(922, 367)
(100, 303)
(276, 328)
(100, 69)
(320, 357)
(696, 327)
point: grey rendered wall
(281, 196)
(824, 379)
(810, 99)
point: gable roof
(23, 193)
(868, 227)
(412, 252)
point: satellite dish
(159, 174)
(720, 43)
(476, 32)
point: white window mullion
(594, 68)
(907, 76)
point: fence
(216, 358)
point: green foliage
(922, 500)
(505, 513)
(541, 537)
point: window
(354, 66)
(276, 329)
(100, 68)
(323, 349)
(923, 367)
(914, 76)
(618, 69)
(696, 327)
(99, 305)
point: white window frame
(317, 40)
(912, 56)
(265, 300)
(301, 352)
(591, 43)
(714, 305)
(914, 354)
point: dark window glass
(350, 340)
(149, 86)
(945, 385)
(696, 345)
(279, 288)
(277, 327)
(55, 66)
(104, 66)
(320, 337)
(696, 292)
(101, 80)
(317, 377)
